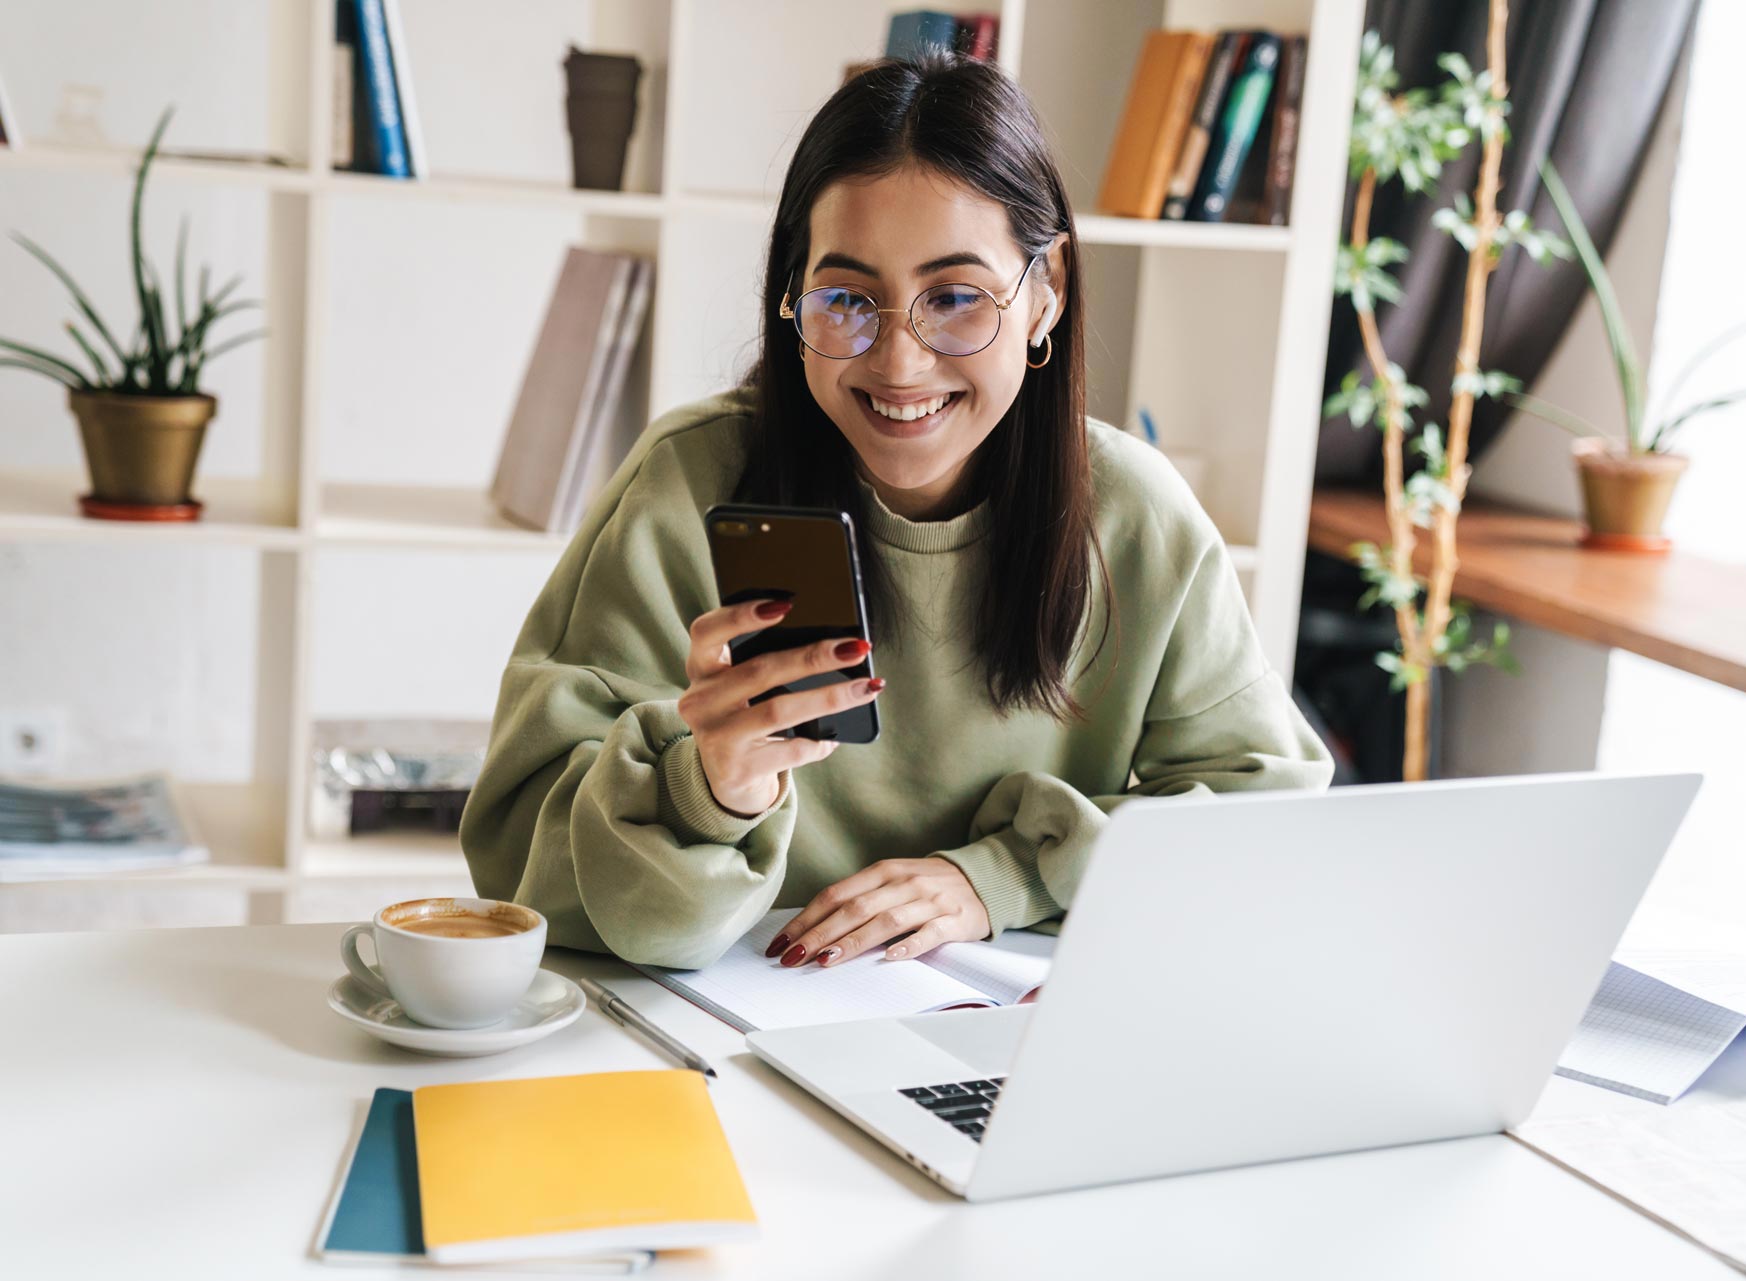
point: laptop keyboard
(963, 1105)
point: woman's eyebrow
(963, 258)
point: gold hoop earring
(1048, 352)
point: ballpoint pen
(613, 1007)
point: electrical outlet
(33, 740)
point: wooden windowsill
(1678, 609)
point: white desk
(175, 1103)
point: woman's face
(892, 237)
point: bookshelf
(1219, 330)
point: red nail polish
(778, 945)
(794, 955)
(773, 609)
(851, 649)
(829, 954)
(876, 684)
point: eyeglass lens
(955, 320)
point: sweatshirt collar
(923, 535)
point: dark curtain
(1586, 82)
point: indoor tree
(1407, 136)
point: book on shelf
(92, 828)
(975, 35)
(412, 132)
(1239, 121)
(1282, 140)
(567, 433)
(1195, 145)
(9, 135)
(912, 33)
(379, 144)
(753, 992)
(978, 36)
(1235, 159)
(1154, 123)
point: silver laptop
(1258, 976)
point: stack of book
(569, 433)
(587, 1173)
(1209, 133)
(90, 829)
(375, 120)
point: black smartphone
(805, 555)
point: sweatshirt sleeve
(1218, 720)
(592, 806)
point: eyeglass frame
(787, 312)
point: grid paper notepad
(1647, 1038)
(753, 992)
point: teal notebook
(374, 1217)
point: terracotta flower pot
(141, 452)
(1625, 494)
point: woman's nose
(897, 355)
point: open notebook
(754, 992)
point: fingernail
(829, 954)
(856, 648)
(874, 685)
(794, 955)
(773, 609)
(897, 953)
(778, 945)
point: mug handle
(368, 975)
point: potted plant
(1627, 483)
(142, 416)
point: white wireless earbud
(1046, 319)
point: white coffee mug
(450, 981)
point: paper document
(1658, 1022)
(753, 992)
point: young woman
(1053, 615)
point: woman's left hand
(894, 896)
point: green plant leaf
(181, 276)
(154, 335)
(1630, 369)
(8, 362)
(1664, 434)
(102, 370)
(1546, 411)
(1691, 366)
(80, 300)
(44, 358)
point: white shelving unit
(1218, 330)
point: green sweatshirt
(592, 805)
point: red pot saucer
(104, 509)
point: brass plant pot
(141, 450)
(1625, 495)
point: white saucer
(552, 1002)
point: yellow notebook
(562, 1164)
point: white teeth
(907, 413)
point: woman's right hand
(740, 758)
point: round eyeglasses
(954, 319)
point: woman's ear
(1050, 290)
(1046, 321)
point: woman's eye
(950, 301)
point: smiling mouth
(897, 420)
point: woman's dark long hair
(966, 120)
